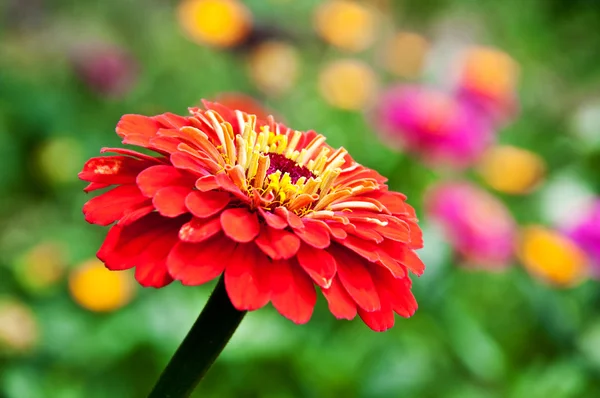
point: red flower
(276, 210)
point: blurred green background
(476, 333)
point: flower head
(586, 233)
(276, 210)
(435, 125)
(478, 225)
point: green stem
(202, 345)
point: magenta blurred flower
(478, 225)
(437, 126)
(106, 69)
(586, 233)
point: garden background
(70, 69)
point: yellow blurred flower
(274, 67)
(511, 170)
(346, 24)
(19, 331)
(96, 288)
(219, 23)
(41, 266)
(404, 54)
(551, 256)
(347, 84)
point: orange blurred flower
(552, 257)
(346, 24)
(219, 23)
(511, 170)
(95, 288)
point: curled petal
(206, 204)
(293, 293)
(276, 243)
(240, 224)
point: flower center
(285, 165)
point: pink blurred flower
(478, 225)
(106, 69)
(586, 233)
(437, 126)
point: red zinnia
(274, 209)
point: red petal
(135, 215)
(144, 243)
(277, 244)
(247, 278)
(357, 280)
(396, 291)
(206, 204)
(93, 186)
(341, 305)
(240, 224)
(413, 262)
(170, 201)
(293, 292)
(151, 265)
(137, 125)
(170, 120)
(379, 321)
(114, 204)
(318, 264)
(396, 229)
(416, 235)
(364, 248)
(156, 177)
(113, 169)
(198, 263)
(315, 233)
(199, 229)
(228, 185)
(135, 154)
(273, 220)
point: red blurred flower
(106, 69)
(275, 210)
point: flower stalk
(204, 342)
